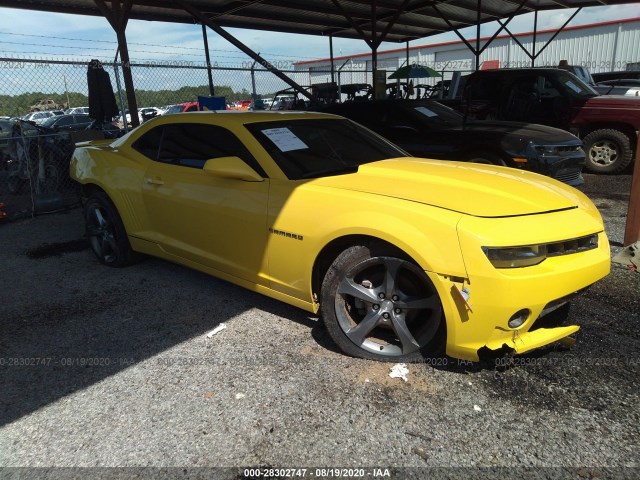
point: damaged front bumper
(501, 310)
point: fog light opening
(518, 318)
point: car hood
(541, 134)
(613, 101)
(478, 190)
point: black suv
(426, 128)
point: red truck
(607, 124)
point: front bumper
(495, 295)
(564, 165)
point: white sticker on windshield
(573, 86)
(426, 111)
(284, 139)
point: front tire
(378, 304)
(608, 151)
(106, 233)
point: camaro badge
(285, 234)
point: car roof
(239, 117)
(518, 71)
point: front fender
(303, 221)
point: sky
(26, 34)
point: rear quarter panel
(119, 175)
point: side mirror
(231, 167)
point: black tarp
(102, 101)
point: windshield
(575, 86)
(174, 109)
(316, 148)
(433, 114)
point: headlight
(528, 255)
(546, 150)
(514, 257)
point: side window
(525, 87)
(548, 89)
(192, 108)
(485, 88)
(192, 144)
(65, 121)
(149, 143)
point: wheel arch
(331, 250)
(88, 189)
(625, 128)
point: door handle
(154, 181)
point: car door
(216, 222)
(80, 121)
(65, 123)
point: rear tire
(378, 304)
(608, 151)
(106, 233)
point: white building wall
(602, 48)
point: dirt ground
(105, 367)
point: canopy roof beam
(201, 18)
(118, 17)
(533, 55)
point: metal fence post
(122, 109)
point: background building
(602, 47)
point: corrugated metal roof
(339, 18)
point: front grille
(555, 150)
(567, 148)
(568, 176)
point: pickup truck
(607, 124)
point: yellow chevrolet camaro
(403, 257)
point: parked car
(109, 129)
(621, 75)
(38, 158)
(81, 110)
(621, 82)
(620, 86)
(6, 125)
(67, 122)
(182, 107)
(38, 117)
(428, 129)
(607, 124)
(404, 257)
(147, 113)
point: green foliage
(14, 106)
(17, 105)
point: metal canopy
(401, 20)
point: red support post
(632, 230)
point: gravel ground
(121, 373)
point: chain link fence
(35, 148)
